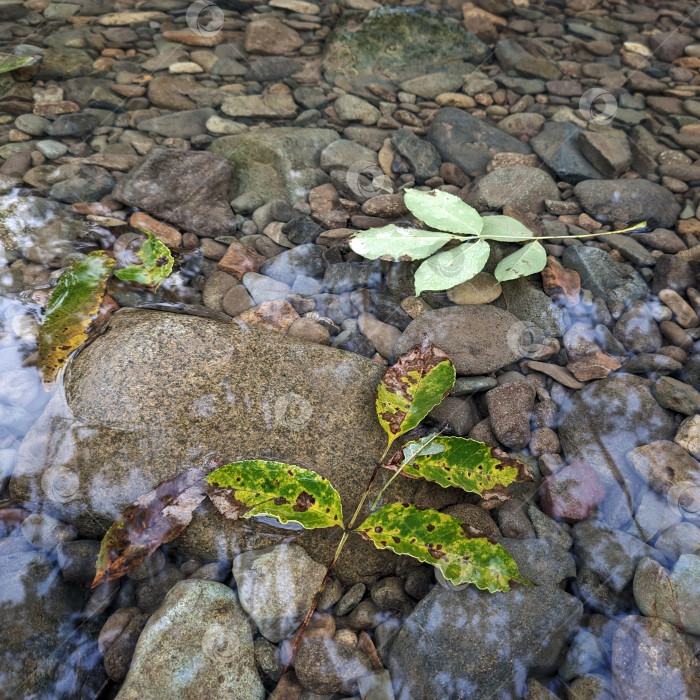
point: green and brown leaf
(412, 387)
(156, 263)
(154, 519)
(283, 491)
(462, 553)
(454, 461)
(72, 307)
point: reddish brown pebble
(53, 109)
(594, 366)
(166, 233)
(560, 283)
(239, 259)
(271, 315)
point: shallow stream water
(253, 140)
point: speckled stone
(201, 628)
(226, 404)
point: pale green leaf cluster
(454, 220)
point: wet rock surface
(446, 631)
(254, 149)
(283, 415)
(200, 626)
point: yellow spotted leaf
(462, 553)
(412, 387)
(283, 491)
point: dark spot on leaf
(304, 502)
(383, 543)
(280, 501)
(379, 529)
(328, 510)
(290, 472)
(162, 260)
(435, 553)
(430, 527)
(396, 539)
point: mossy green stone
(396, 44)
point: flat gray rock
(278, 163)
(188, 189)
(467, 641)
(469, 142)
(628, 201)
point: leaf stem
(403, 466)
(317, 598)
(518, 239)
(336, 556)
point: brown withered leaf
(153, 519)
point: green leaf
(454, 461)
(412, 387)
(443, 211)
(398, 243)
(505, 228)
(157, 517)
(462, 553)
(283, 491)
(71, 309)
(452, 267)
(526, 261)
(9, 62)
(157, 263)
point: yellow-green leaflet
(283, 491)
(157, 263)
(463, 554)
(412, 387)
(467, 464)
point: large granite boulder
(160, 392)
